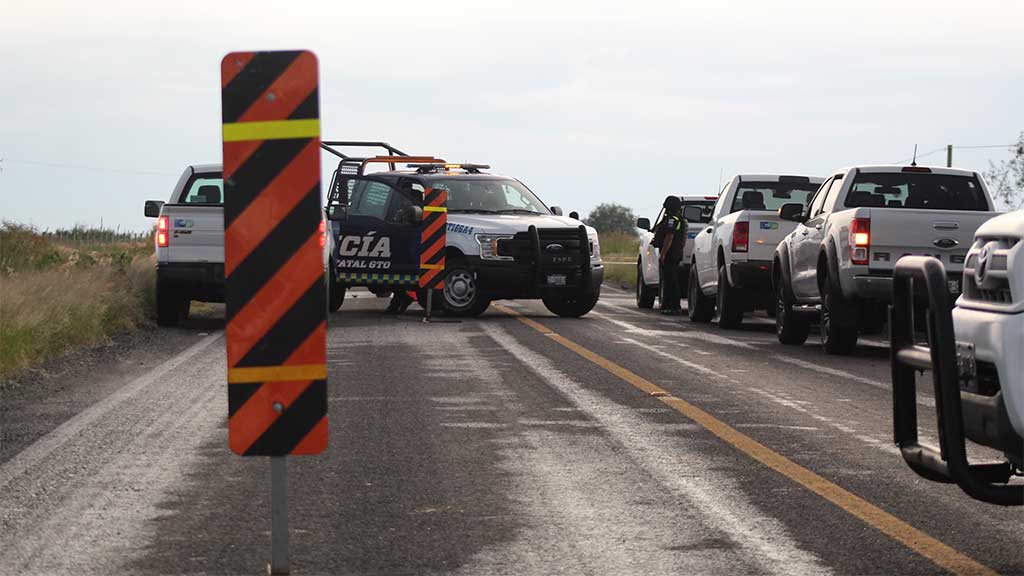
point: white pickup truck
(838, 262)
(189, 243)
(732, 254)
(976, 355)
(648, 269)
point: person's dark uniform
(672, 231)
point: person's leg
(670, 289)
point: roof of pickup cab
(884, 168)
(775, 177)
(201, 168)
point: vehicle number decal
(769, 225)
(460, 228)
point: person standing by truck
(673, 236)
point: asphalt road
(516, 443)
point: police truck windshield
(498, 196)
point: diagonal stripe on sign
(290, 331)
(281, 245)
(286, 92)
(279, 197)
(258, 170)
(272, 301)
(236, 153)
(312, 350)
(308, 108)
(251, 82)
(435, 251)
(311, 443)
(297, 421)
(229, 68)
(432, 228)
(247, 423)
(239, 394)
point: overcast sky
(103, 104)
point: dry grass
(55, 295)
(620, 248)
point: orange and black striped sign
(433, 238)
(273, 263)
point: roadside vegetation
(66, 288)
(619, 252)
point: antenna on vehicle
(914, 161)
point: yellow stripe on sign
(899, 530)
(431, 266)
(271, 130)
(434, 209)
(252, 374)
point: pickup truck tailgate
(766, 231)
(196, 233)
(944, 234)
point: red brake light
(161, 232)
(860, 240)
(917, 169)
(740, 236)
(323, 234)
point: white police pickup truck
(501, 242)
(189, 243)
(976, 355)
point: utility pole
(949, 155)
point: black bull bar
(986, 482)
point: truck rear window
(205, 189)
(706, 208)
(771, 195)
(928, 191)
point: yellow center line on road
(899, 530)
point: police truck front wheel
(336, 295)
(461, 294)
(571, 305)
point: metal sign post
(278, 515)
(275, 295)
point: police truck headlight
(595, 248)
(489, 246)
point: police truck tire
(571, 305)
(791, 328)
(336, 295)
(699, 307)
(461, 294)
(838, 335)
(729, 302)
(171, 307)
(644, 294)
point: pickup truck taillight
(323, 234)
(860, 240)
(161, 231)
(740, 236)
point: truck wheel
(790, 327)
(461, 294)
(700, 307)
(572, 305)
(644, 293)
(336, 295)
(729, 302)
(838, 336)
(171, 307)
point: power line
(84, 167)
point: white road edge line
(42, 447)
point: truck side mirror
(556, 210)
(413, 215)
(792, 211)
(643, 224)
(153, 207)
(337, 212)
(692, 213)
